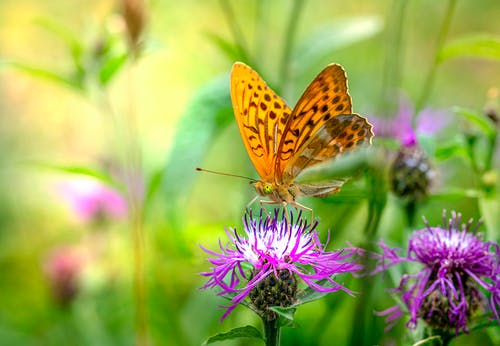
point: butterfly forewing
(261, 116)
(319, 125)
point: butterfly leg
(283, 204)
(262, 202)
(252, 202)
(303, 207)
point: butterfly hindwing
(339, 134)
(321, 125)
(261, 116)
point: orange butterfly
(281, 142)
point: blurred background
(108, 106)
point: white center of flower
(275, 242)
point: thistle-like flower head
(271, 260)
(457, 268)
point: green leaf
(42, 73)
(479, 45)
(111, 67)
(80, 170)
(72, 41)
(310, 295)
(450, 150)
(429, 341)
(240, 332)
(478, 119)
(339, 34)
(489, 206)
(232, 51)
(286, 315)
(207, 115)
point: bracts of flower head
(280, 255)
(457, 269)
(411, 175)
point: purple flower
(92, 200)
(276, 253)
(63, 268)
(457, 265)
(429, 121)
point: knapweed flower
(411, 173)
(428, 122)
(458, 268)
(272, 261)
(91, 200)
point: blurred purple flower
(456, 264)
(63, 268)
(429, 122)
(277, 251)
(92, 200)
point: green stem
(130, 159)
(391, 77)
(431, 76)
(272, 332)
(492, 145)
(291, 31)
(411, 208)
(236, 31)
(363, 309)
(133, 176)
(261, 31)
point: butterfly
(282, 142)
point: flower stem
(391, 77)
(431, 76)
(363, 308)
(261, 30)
(133, 181)
(271, 331)
(411, 208)
(291, 31)
(237, 33)
(445, 337)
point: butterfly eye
(268, 189)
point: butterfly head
(263, 188)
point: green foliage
(80, 170)
(324, 41)
(479, 120)
(480, 46)
(232, 51)
(96, 62)
(207, 115)
(236, 333)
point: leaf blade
(334, 36)
(235, 333)
(478, 45)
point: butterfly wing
(321, 189)
(321, 125)
(261, 116)
(341, 133)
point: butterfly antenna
(226, 174)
